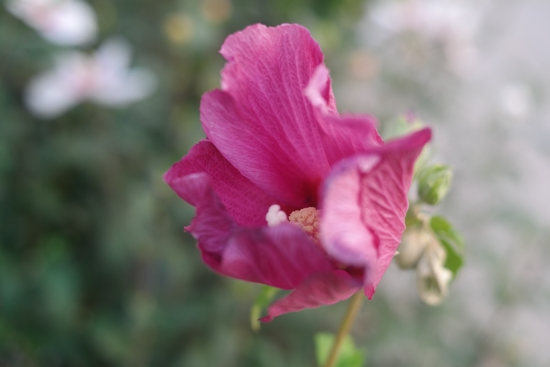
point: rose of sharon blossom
(287, 192)
(62, 22)
(103, 78)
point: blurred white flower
(62, 22)
(103, 78)
(450, 23)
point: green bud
(434, 183)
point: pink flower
(277, 151)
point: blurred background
(99, 98)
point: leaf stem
(353, 308)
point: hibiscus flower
(287, 192)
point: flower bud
(434, 183)
(413, 243)
(432, 279)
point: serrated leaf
(451, 241)
(348, 356)
(263, 299)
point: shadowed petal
(317, 290)
(245, 202)
(281, 256)
(212, 225)
(364, 206)
(261, 121)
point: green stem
(354, 305)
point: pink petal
(345, 136)
(343, 233)
(319, 91)
(245, 202)
(212, 225)
(261, 121)
(364, 206)
(281, 256)
(317, 290)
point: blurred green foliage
(349, 355)
(95, 269)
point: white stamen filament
(275, 216)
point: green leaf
(263, 299)
(348, 356)
(451, 241)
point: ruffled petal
(342, 136)
(364, 205)
(261, 121)
(281, 256)
(317, 290)
(245, 202)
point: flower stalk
(345, 326)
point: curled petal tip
(266, 319)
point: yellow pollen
(308, 220)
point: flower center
(307, 219)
